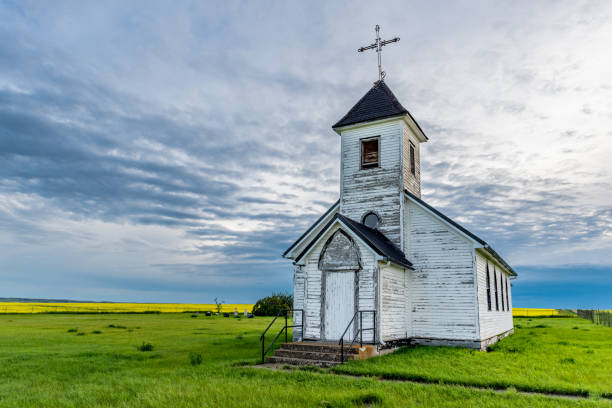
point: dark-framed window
(501, 284)
(371, 220)
(488, 289)
(412, 159)
(370, 153)
(496, 291)
(507, 298)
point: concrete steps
(311, 353)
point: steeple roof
(378, 103)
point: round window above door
(371, 220)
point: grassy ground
(62, 361)
(564, 355)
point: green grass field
(561, 355)
(80, 361)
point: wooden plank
(492, 322)
(339, 303)
(442, 286)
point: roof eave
(415, 127)
(478, 242)
(355, 125)
(501, 260)
(365, 240)
(463, 231)
(407, 117)
(305, 234)
(398, 263)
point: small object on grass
(96, 332)
(208, 313)
(225, 314)
(195, 358)
(80, 334)
(73, 330)
(368, 399)
(194, 315)
(250, 316)
(145, 347)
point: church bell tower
(380, 158)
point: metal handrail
(285, 328)
(272, 322)
(348, 326)
(360, 331)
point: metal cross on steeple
(378, 46)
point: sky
(171, 151)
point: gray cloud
(188, 148)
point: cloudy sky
(164, 151)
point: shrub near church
(272, 305)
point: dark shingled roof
(373, 238)
(378, 103)
(482, 242)
(378, 242)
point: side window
(507, 298)
(412, 159)
(495, 283)
(370, 157)
(488, 288)
(501, 284)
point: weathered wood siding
(443, 291)
(377, 189)
(411, 182)
(395, 303)
(492, 322)
(299, 291)
(314, 285)
(368, 287)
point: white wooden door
(339, 303)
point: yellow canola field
(18, 307)
(528, 312)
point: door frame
(324, 275)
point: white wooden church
(415, 275)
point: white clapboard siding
(366, 299)
(411, 182)
(368, 278)
(373, 189)
(299, 292)
(492, 322)
(443, 291)
(394, 301)
(312, 307)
